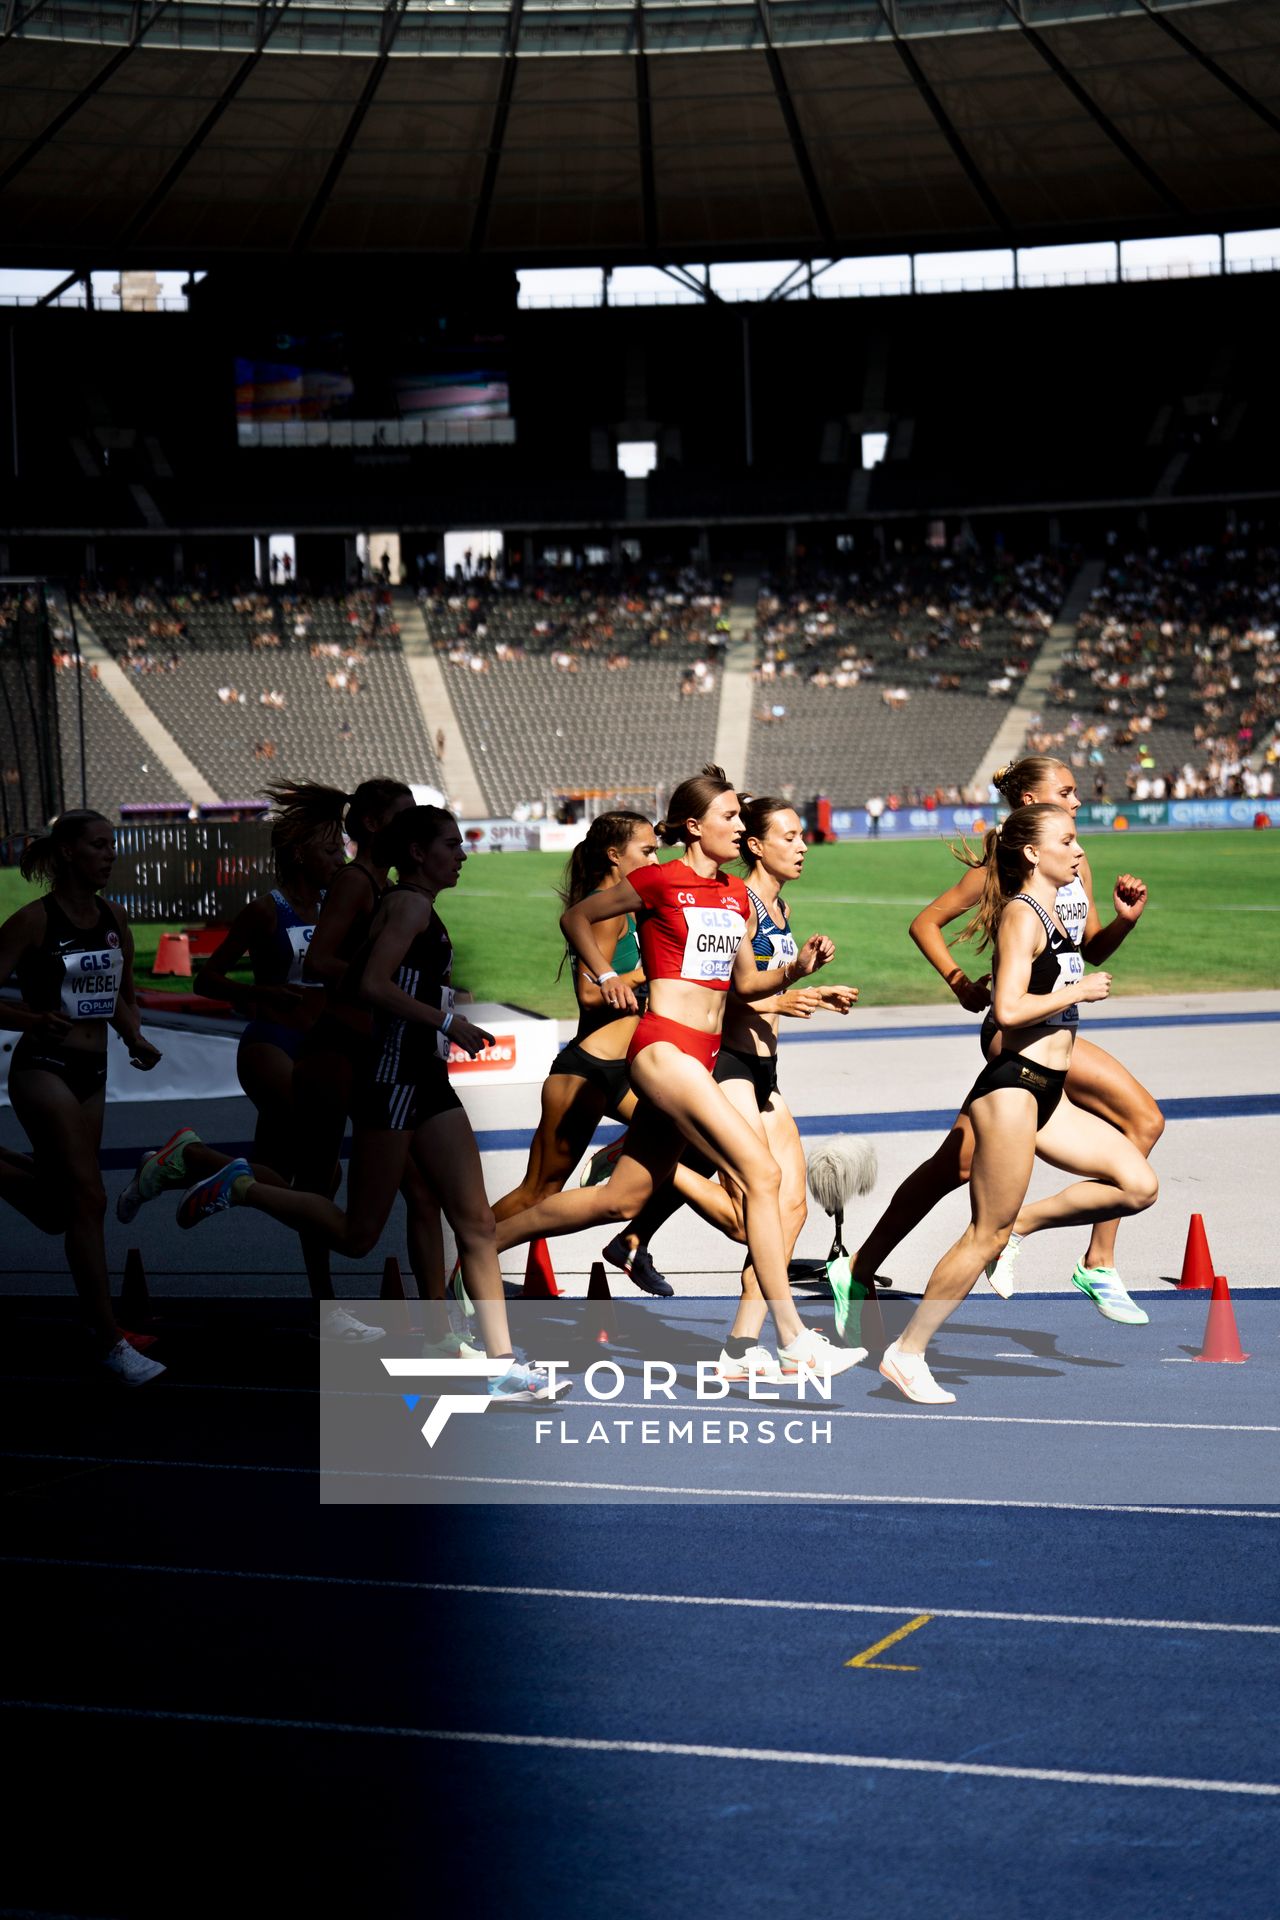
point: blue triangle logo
(411, 1400)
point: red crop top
(690, 928)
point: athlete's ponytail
(690, 801)
(588, 864)
(1028, 775)
(303, 808)
(1004, 866)
(413, 826)
(41, 858)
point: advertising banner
(495, 836)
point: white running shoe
(756, 1363)
(129, 1366)
(1000, 1270)
(909, 1373)
(814, 1352)
(337, 1324)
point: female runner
(275, 930)
(696, 925)
(404, 1110)
(1018, 1105)
(1098, 1082)
(589, 1077)
(773, 852)
(73, 954)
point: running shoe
(813, 1351)
(757, 1363)
(454, 1346)
(131, 1368)
(601, 1164)
(909, 1373)
(637, 1264)
(164, 1167)
(1106, 1289)
(213, 1195)
(337, 1324)
(522, 1384)
(1000, 1270)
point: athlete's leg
(1098, 1083)
(1004, 1130)
(266, 1074)
(38, 1198)
(572, 1109)
(649, 1152)
(374, 1173)
(782, 1138)
(66, 1134)
(1117, 1181)
(447, 1157)
(946, 1169)
(322, 1099)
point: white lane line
(486, 1590)
(730, 1404)
(670, 1493)
(660, 1749)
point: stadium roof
(184, 131)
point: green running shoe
(166, 1167)
(1105, 1288)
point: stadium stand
(258, 687)
(894, 677)
(1173, 684)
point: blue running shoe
(637, 1264)
(523, 1384)
(213, 1195)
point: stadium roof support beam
(644, 122)
(269, 17)
(942, 120)
(498, 130)
(1082, 98)
(391, 18)
(15, 17)
(791, 119)
(63, 286)
(1211, 66)
(143, 19)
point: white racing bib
(444, 1045)
(91, 983)
(299, 941)
(1070, 969)
(1073, 909)
(713, 937)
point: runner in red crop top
(695, 927)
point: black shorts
(761, 1069)
(1044, 1084)
(83, 1072)
(987, 1037)
(400, 1106)
(610, 1077)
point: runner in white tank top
(1096, 1081)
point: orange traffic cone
(601, 1319)
(1221, 1340)
(539, 1274)
(1197, 1261)
(173, 956)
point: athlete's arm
(1021, 938)
(607, 935)
(126, 1019)
(749, 984)
(252, 924)
(578, 924)
(1128, 898)
(404, 916)
(19, 934)
(926, 931)
(346, 899)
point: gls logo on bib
(713, 938)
